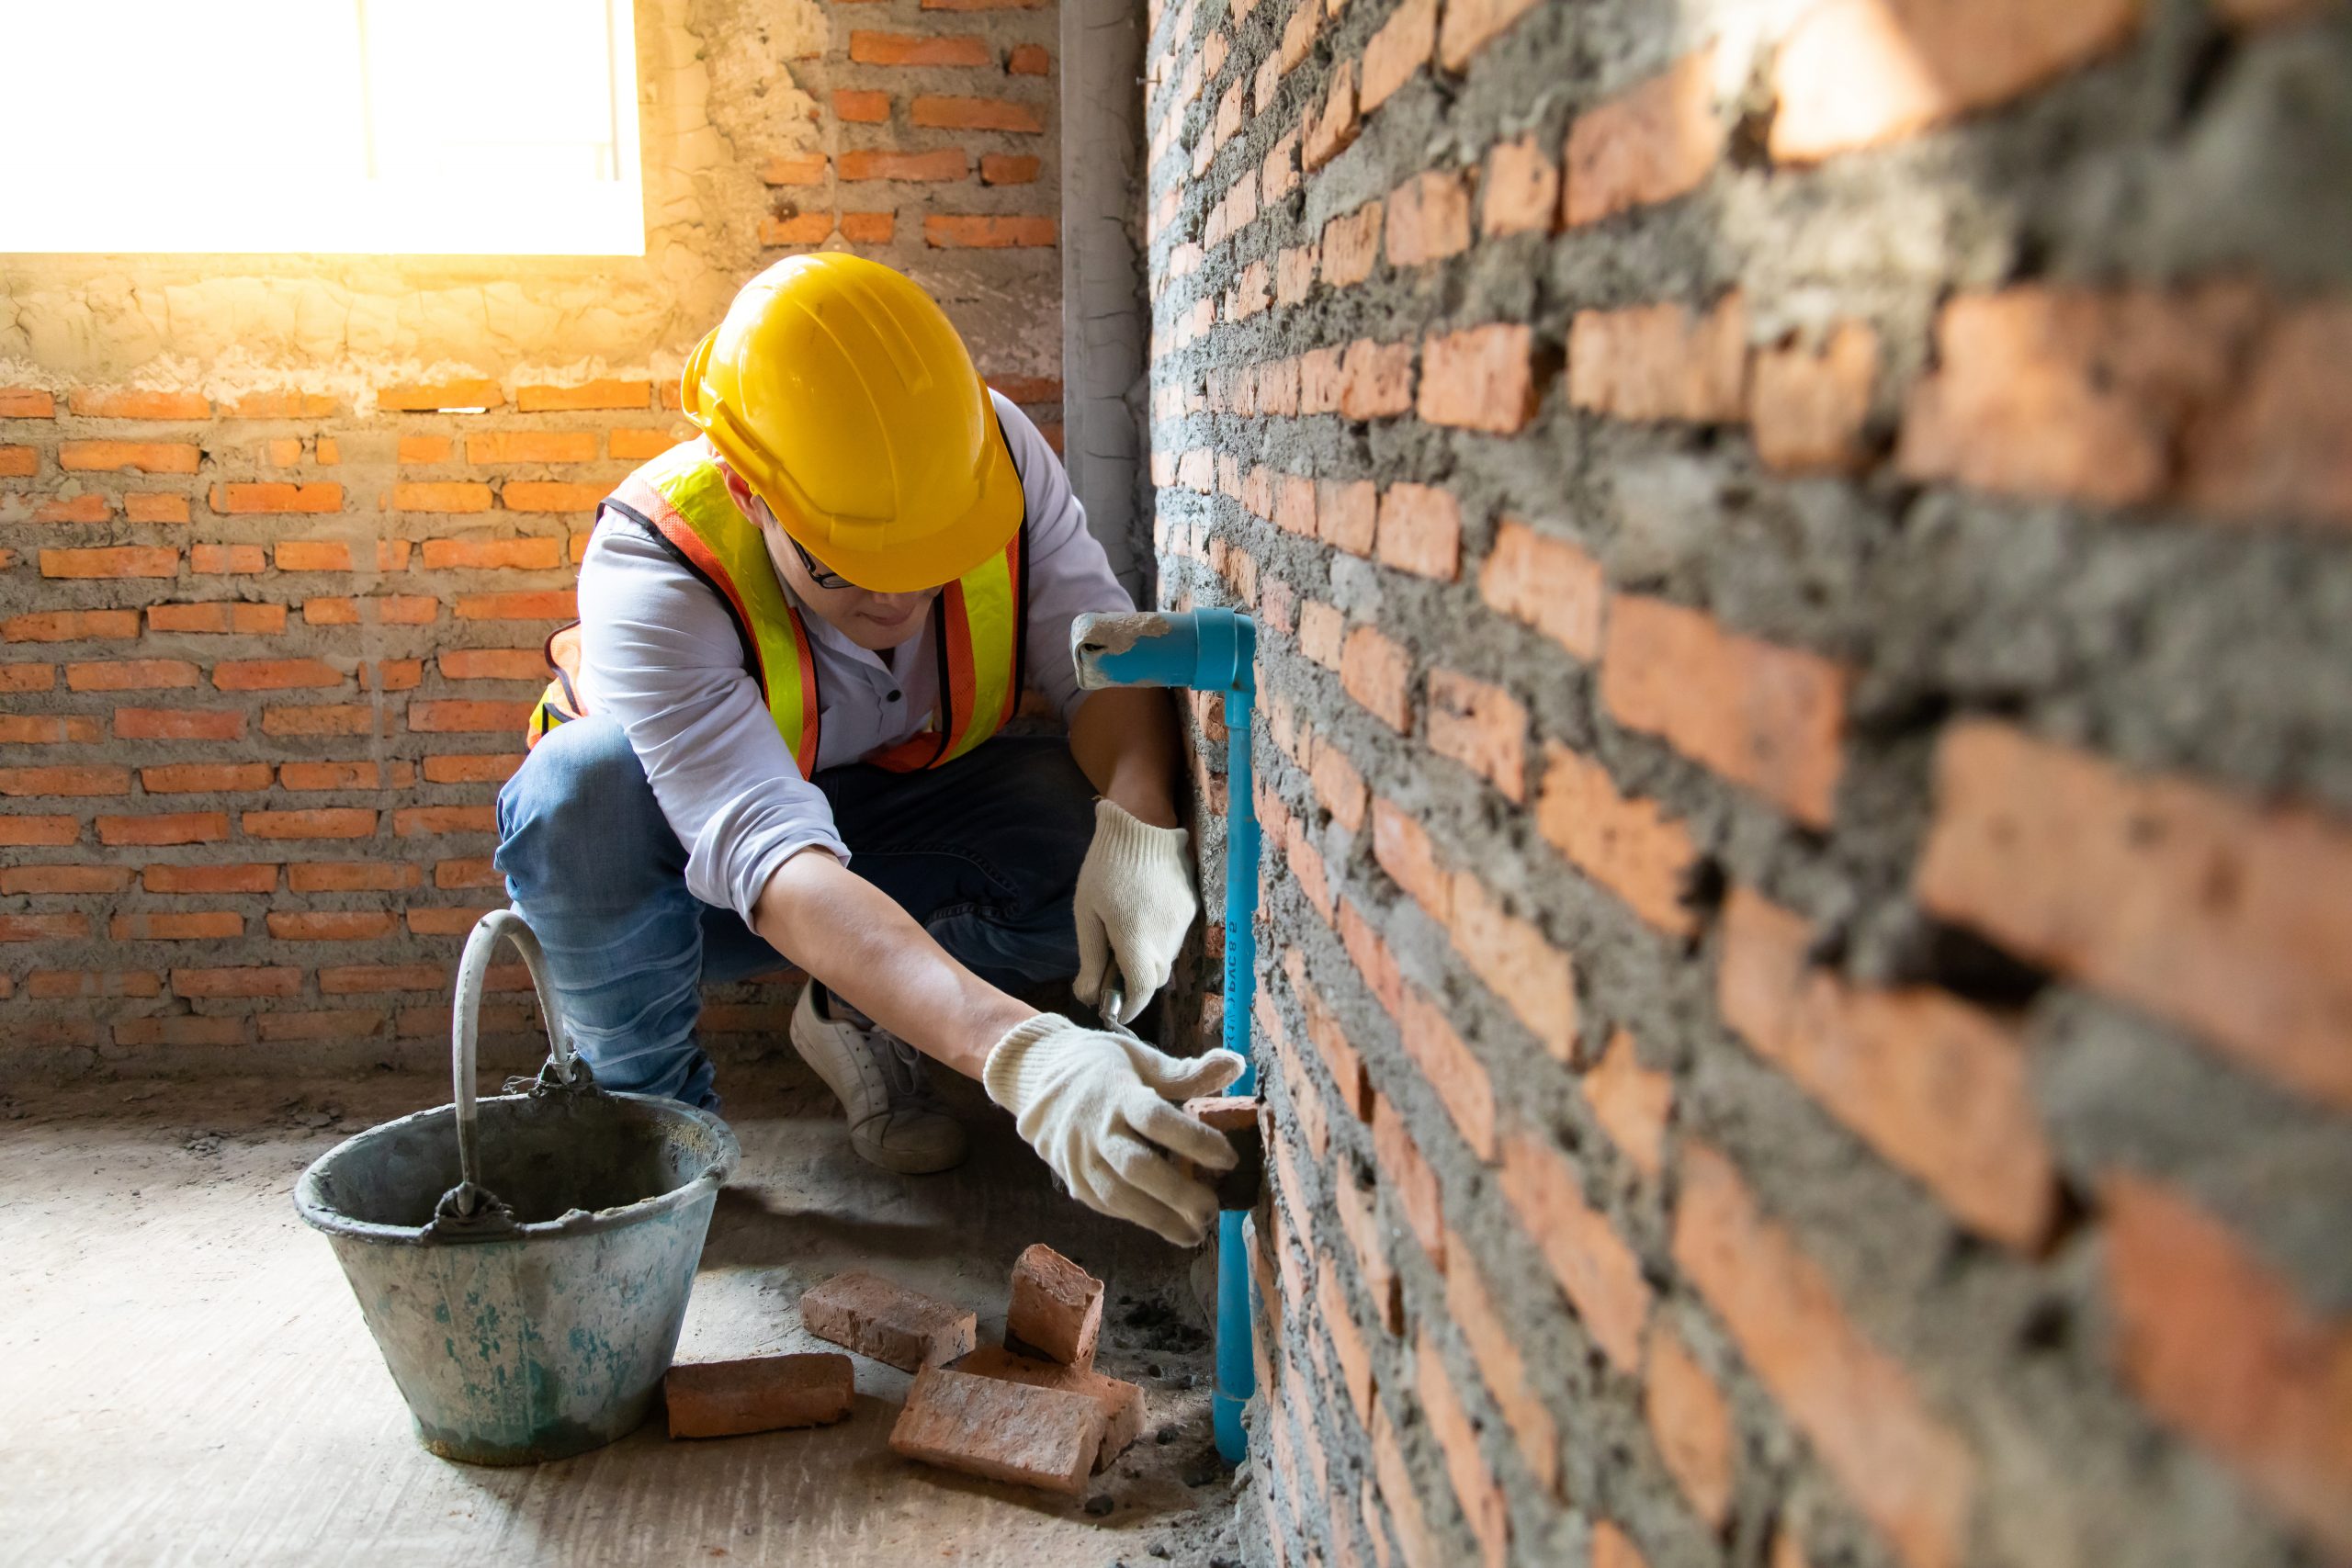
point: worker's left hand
(1134, 903)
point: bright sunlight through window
(416, 127)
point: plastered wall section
(280, 538)
(1801, 559)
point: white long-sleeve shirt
(661, 655)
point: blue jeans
(983, 852)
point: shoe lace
(902, 1065)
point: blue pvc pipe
(1209, 650)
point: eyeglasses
(819, 575)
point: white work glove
(1134, 903)
(1096, 1106)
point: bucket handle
(468, 1196)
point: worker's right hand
(1096, 1106)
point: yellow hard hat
(839, 389)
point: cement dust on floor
(188, 1379)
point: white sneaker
(894, 1119)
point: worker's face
(870, 620)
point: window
(416, 127)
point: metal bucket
(528, 1312)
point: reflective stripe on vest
(681, 500)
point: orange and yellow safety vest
(686, 501)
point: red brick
(1379, 672)
(1482, 726)
(975, 114)
(860, 107)
(391, 675)
(1909, 1474)
(211, 878)
(540, 605)
(1372, 960)
(1343, 1335)
(86, 780)
(89, 507)
(460, 921)
(800, 229)
(1006, 169)
(43, 928)
(176, 828)
(186, 1029)
(1420, 530)
(274, 674)
(1769, 718)
(1534, 978)
(219, 617)
(1457, 1076)
(633, 444)
(1402, 849)
(1809, 408)
(1056, 1311)
(476, 872)
(1429, 217)
(1496, 1348)
(1333, 129)
(1346, 513)
(1392, 1482)
(64, 985)
(315, 822)
(36, 677)
(204, 778)
(350, 876)
(274, 496)
(493, 664)
(130, 676)
(178, 724)
(496, 769)
(1482, 378)
(990, 234)
(317, 1026)
(1475, 1486)
(782, 169)
(111, 562)
(1519, 191)
(1401, 47)
(149, 506)
(1360, 1224)
(23, 462)
(64, 879)
(1338, 786)
(1470, 24)
(2071, 392)
(1631, 1103)
(2221, 1348)
(759, 1393)
(1858, 72)
(1691, 1421)
(946, 163)
(1597, 1270)
(1938, 1088)
(888, 1322)
(368, 979)
(1029, 60)
(194, 925)
(1350, 244)
(1655, 362)
(255, 981)
(417, 821)
(550, 495)
(534, 446)
(227, 560)
(2195, 904)
(27, 402)
(1121, 1403)
(1320, 628)
(493, 553)
(608, 394)
(1549, 583)
(917, 49)
(71, 625)
(1005, 1430)
(132, 404)
(326, 719)
(441, 495)
(138, 456)
(2279, 446)
(18, 832)
(388, 609)
(1651, 143)
(1629, 846)
(332, 925)
(48, 730)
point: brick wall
(1801, 559)
(280, 538)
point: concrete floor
(187, 1379)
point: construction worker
(773, 736)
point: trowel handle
(473, 967)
